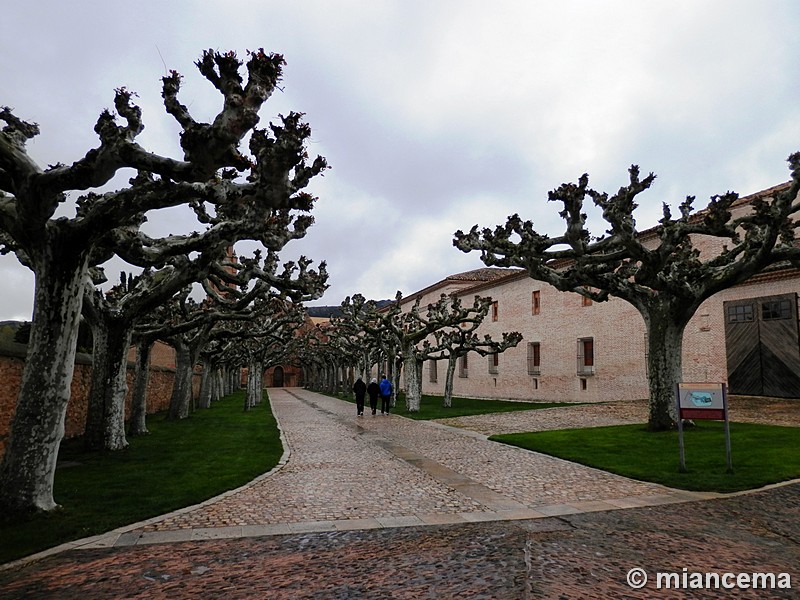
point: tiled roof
(485, 274)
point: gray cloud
(437, 116)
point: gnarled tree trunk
(255, 371)
(141, 379)
(181, 401)
(29, 463)
(412, 381)
(447, 401)
(105, 417)
(665, 322)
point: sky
(435, 115)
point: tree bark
(206, 383)
(413, 381)
(219, 384)
(141, 378)
(665, 326)
(254, 384)
(181, 400)
(452, 360)
(105, 417)
(29, 463)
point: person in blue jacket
(386, 395)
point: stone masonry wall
(618, 333)
(159, 391)
(616, 328)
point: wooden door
(763, 346)
(277, 377)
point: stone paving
(347, 472)
(386, 507)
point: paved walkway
(342, 517)
(346, 472)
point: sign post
(701, 401)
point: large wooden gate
(763, 346)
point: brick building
(577, 350)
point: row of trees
(259, 195)
(662, 273)
(365, 335)
(232, 196)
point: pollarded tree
(113, 316)
(443, 320)
(664, 277)
(234, 196)
(453, 343)
(380, 329)
(353, 329)
(403, 334)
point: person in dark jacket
(360, 389)
(386, 395)
(374, 390)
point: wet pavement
(387, 507)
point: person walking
(386, 395)
(360, 389)
(374, 390)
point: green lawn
(761, 454)
(431, 406)
(179, 464)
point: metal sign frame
(702, 401)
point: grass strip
(431, 406)
(761, 454)
(179, 464)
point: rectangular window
(740, 314)
(433, 370)
(462, 366)
(776, 310)
(494, 362)
(586, 356)
(536, 302)
(534, 358)
(495, 311)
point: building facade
(577, 350)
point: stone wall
(617, 331)
(12, 361)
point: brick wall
(12, 361)
(616, 328)
(618, 333)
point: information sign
(698, 401)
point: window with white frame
(586, 356)
(494, 362)
(433, 370)
(463, 365)
(534, 358)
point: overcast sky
(435, 115)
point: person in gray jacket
(374, 390)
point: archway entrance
(277, 377)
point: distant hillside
(326, 312)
